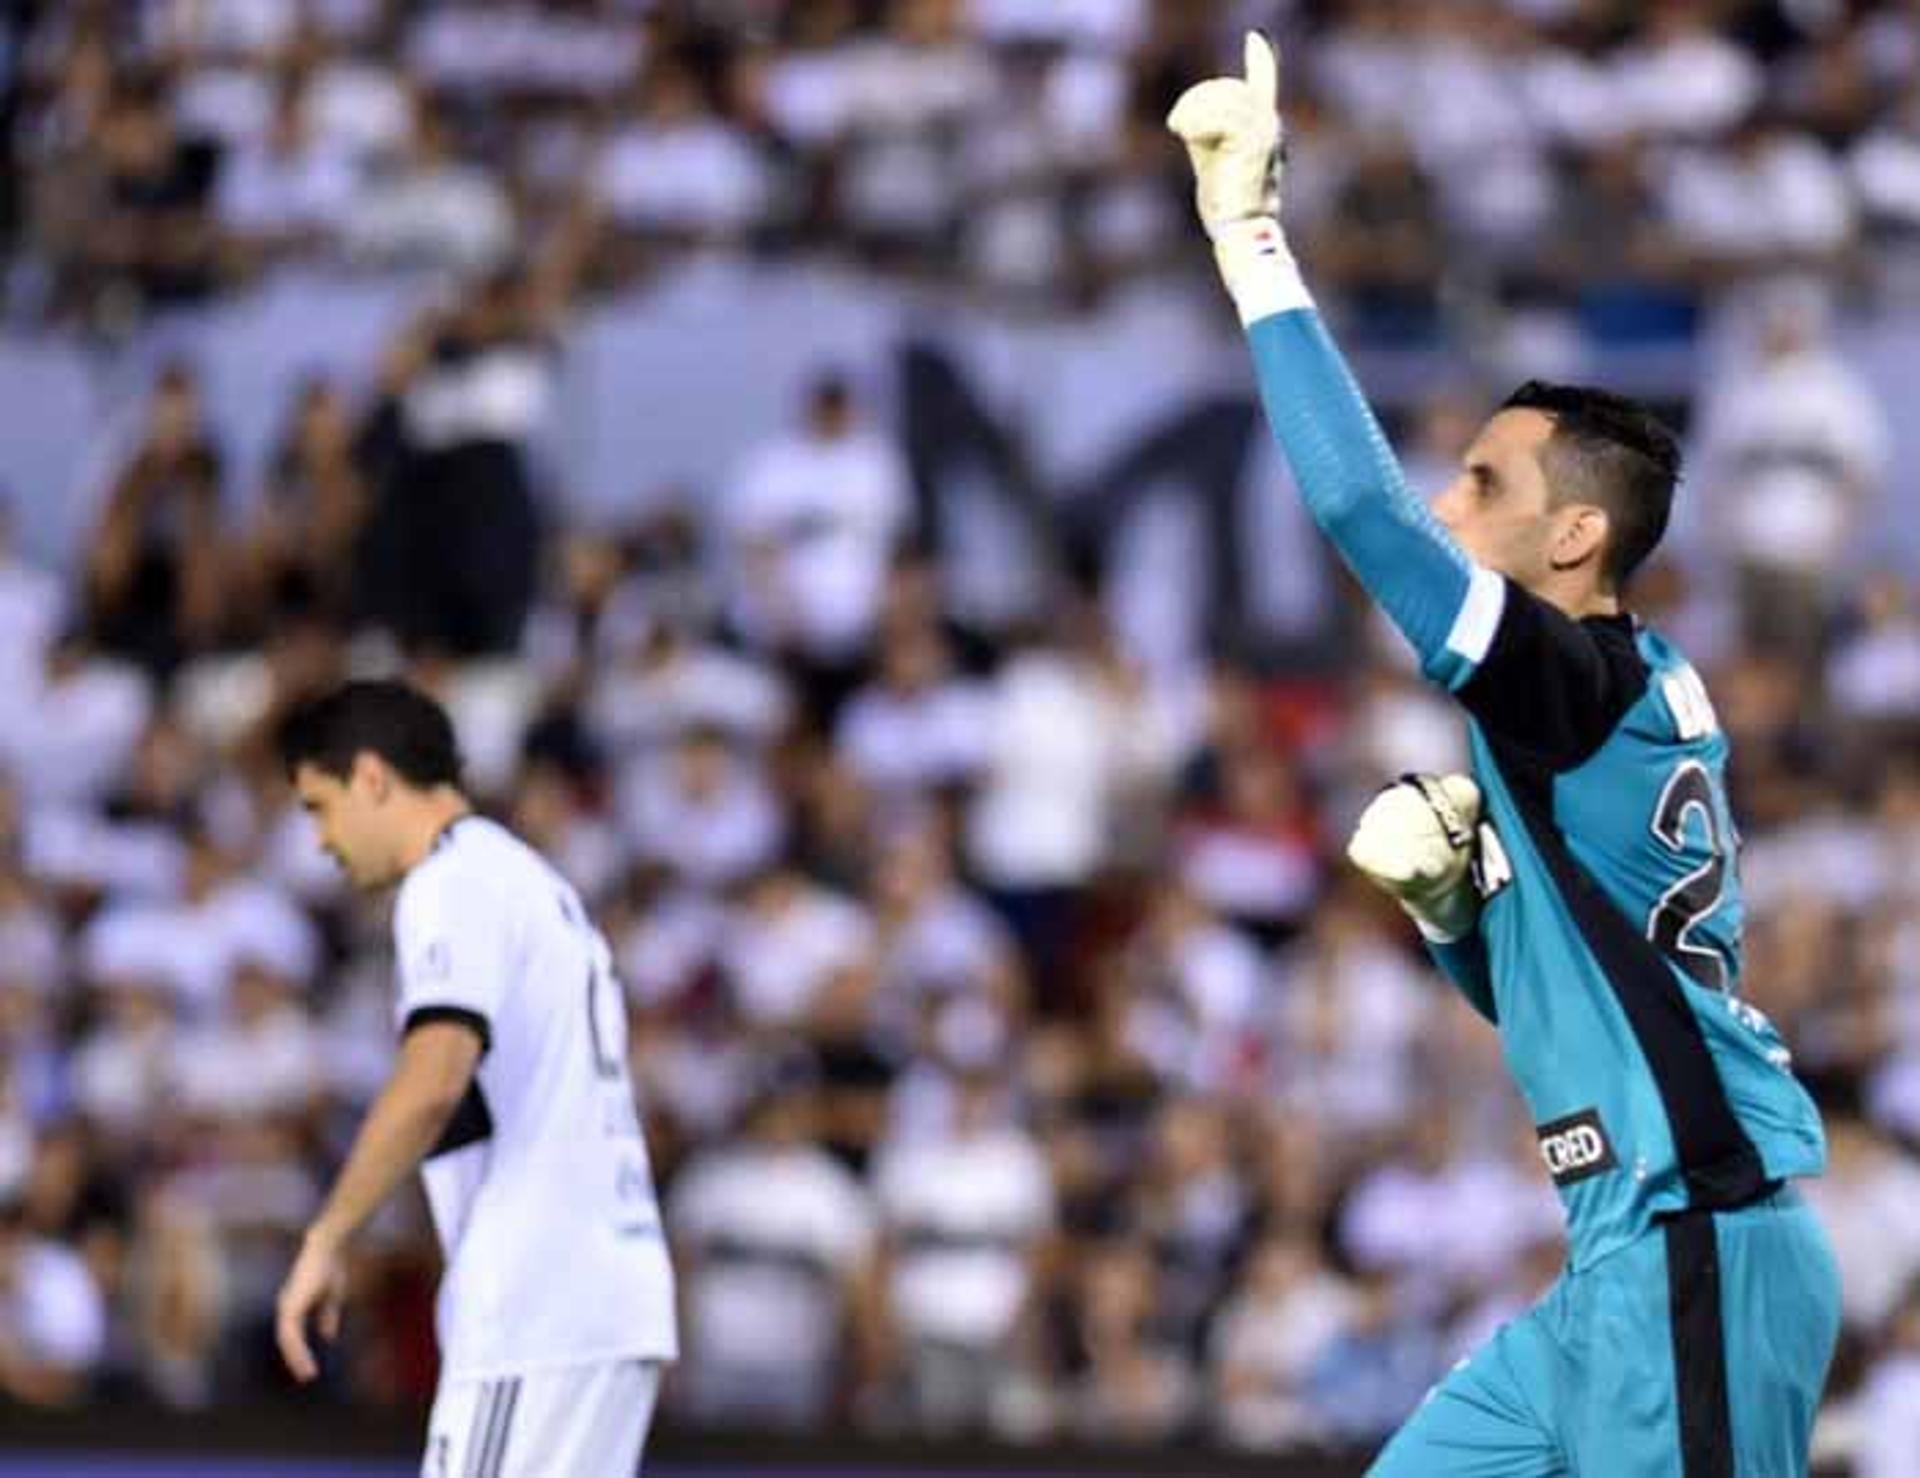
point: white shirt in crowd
(951, 942)
(449, 215)
(1787, 197)
(544, 1167)
(665, 951)
(1452, 1229)
(699, 175)
(1889, 1416)
(123, 1071)
(251, 1069)
(708, 837)
(964, 1210)
(193, 948)
(70, 736)
(1869, 1203)
(1800, 442)
(1267, 1341)
(900, 741)
(779, 958)
(233, 28)
(819, 516)
(522, 47)
(52, 1310)
(778, 1231)
(33, 603)
(1686, 86)
(648, 702)
(356, 105)
(264, 191)
(1040, 818)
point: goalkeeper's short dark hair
(1615, 453)
(393, 720)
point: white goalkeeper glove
(1231, 128)
(1416, 842)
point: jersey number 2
(1693, 897)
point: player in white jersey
(511, 1094)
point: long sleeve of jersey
(1464, 962)
(1447, 606)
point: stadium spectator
(1871, 1195)
(775, 1240)
(159, 564)
(285, 193)
(918, 728)
(1890, 1436)
(455, 527)
(1271, 1336)
(52, 1317)
(809, 526)
(1795, 447)
(701, 809)
(962, 1211)
(421, 205)
(680, 171)
(304, 544)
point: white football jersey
(541, 1190)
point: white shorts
(574, 1421)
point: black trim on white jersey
(457, 1015)
(472, 1122)
(484, 1403)
(488, 1457)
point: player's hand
(1232, 132)
(316, 1289)
(1416, 842)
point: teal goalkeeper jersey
(1608, 949)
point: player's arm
(438, 1059)
(1415, 842)
(1524, 669)
(1464, 962)
(453, 950)
(1347, 475)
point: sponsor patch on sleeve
(1575, 1147)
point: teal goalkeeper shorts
(1698, 1351)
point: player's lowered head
(1564, 491)
(377, 767)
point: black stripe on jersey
(1718, 1161)
(495, 1461)
(471, 1123)
(456, 1015)
(483, 1405)
(1699, 1347)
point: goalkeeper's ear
(1580, 537)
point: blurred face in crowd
(361, 826)
(1503, 513)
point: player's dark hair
(393, 720)
(1615, 453)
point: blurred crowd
(1617, 159)
(1015, 1053)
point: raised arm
(1445, 604)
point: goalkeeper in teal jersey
(1579, 889)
